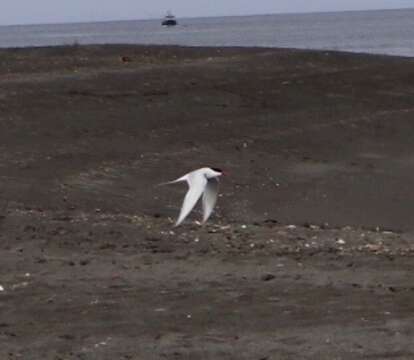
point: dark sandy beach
(309, 254)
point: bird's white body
(204, 182)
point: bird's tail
(181, 179)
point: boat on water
(169, 20)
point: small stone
(341, 241)
(1, 288)
(225, 227)
(160, 309)
(268, 277)
(20, 285)
(373, 247)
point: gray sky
(55, 11)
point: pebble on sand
(268, 277)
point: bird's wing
(209, 198)
(197, 184)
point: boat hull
(169, 22)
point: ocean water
(383, 32)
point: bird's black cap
(216, 169)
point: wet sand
(308, 256)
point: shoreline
(236, 47)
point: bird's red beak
(225, 173)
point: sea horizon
(205, 17)
(387, 32)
